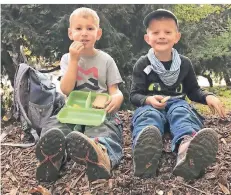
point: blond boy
(90, 69)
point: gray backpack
(35, 100)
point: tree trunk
(9, 65)
(227, 79)
(209, 79)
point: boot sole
(82, 152)
(147, 152)
(50, 149)
(201, 153)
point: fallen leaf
(170, 192)
(11, 176)
(215, 172)
(6, 132)
(40, 189)
(99, 181)
(110, 183)
(179, 179)
(223, 140)
(22, 137)
(160, 192)
(87, 193)
(73, 183)
(5, 118)
(14, 191)
(224, 189)
(223, 179)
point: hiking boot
(50, 151)
(84, 150)
(147, 152)
(196, 153)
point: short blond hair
(85, 13)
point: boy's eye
(90, 28)
(168, 32)
(78, 29)
(155, 33)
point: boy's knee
(179, 110)
(148, 116)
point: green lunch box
(78, 109)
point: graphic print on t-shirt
(87, 78)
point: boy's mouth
(84, 41)
(162, 43)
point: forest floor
(18, 169)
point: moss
(223, 93)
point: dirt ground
(18, 170)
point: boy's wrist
(147, 102)
(74, 58)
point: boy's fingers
(165, 99)
(79, 47)
(222, 111)
(159, 105)
(108, 107)
(158, 97)
(111, 110)
(108, 102)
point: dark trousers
(108, 134)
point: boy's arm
(68, 80)
(138, 93)
(114, 103)
(193, 90)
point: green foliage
(42, 29)
(6, 95)
(223, 93)
(194, 13)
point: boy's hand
(75, 49)
(155, 101)
(215, 104)
(114, 103)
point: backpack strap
(18, 107)
(23, 68)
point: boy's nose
(161, 35)
(84, 32)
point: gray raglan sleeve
(63, 64)
(113, 74)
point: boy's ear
(99, 34)
(178, 36)
(70, 34)
(146, 38)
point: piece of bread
(99, 101)
(165, 99)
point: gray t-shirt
(95, 73)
